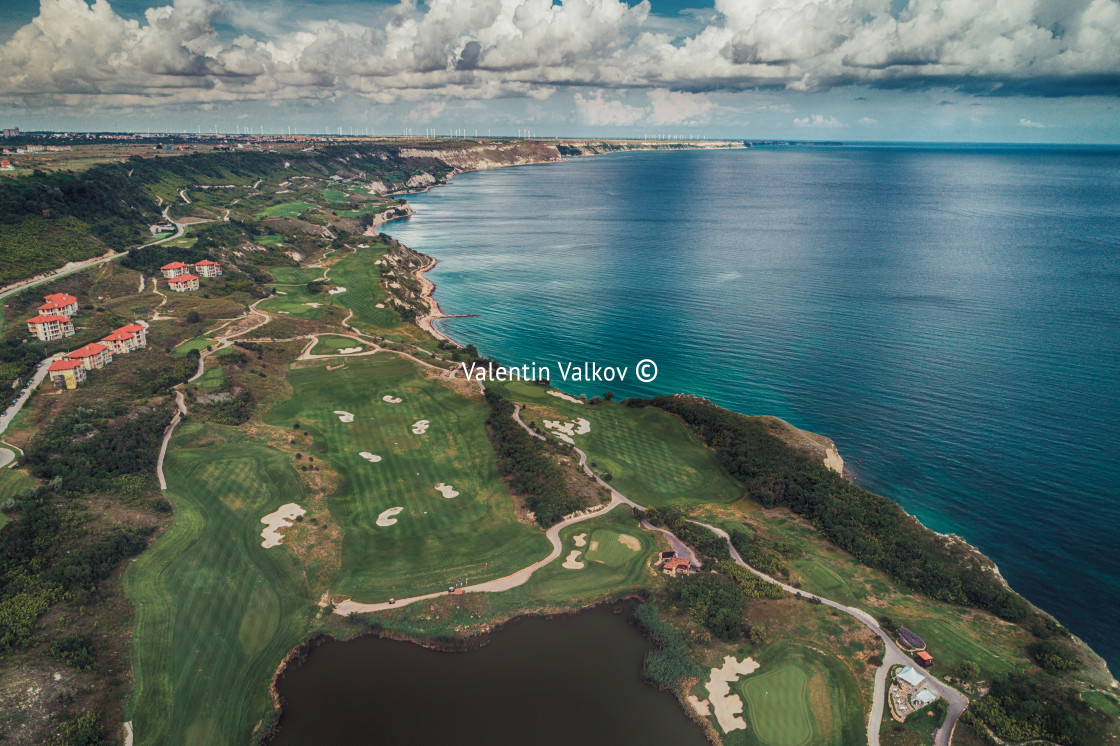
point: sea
(949, 315)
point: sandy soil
(379, 305)
(280, 518)
(573, 563)
(565, 397)
(580, 540)
(344, 416)
(630, 542)
(386, 518)
(726, 706)
(373, 458)
(446, 490)
(349, 350)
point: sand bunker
(420, 427)
(565, 397)
(379, 305)
(336, 291)
(391, 399)
(573, 563)
(726, 706)
(373, 458)
(630, 542)
(313, 305)
(280, 518)
(344, 416)
(594, 546)
(580, 540)
(447, 490)
(280, 292)
(565, 430)
(348, 350)
(699, 705)
(386, 518)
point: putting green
(436, 542)
(652, 457)
(215, 612)
(777, 704)
(295, 300)
(330, 344)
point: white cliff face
(420, 181)
(833, 461)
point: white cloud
(818, 120)
(599, 110)
(678, 107)
(1024, 122)
(868, 121)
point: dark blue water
(951, 317)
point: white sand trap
(594, 547)
(336, 291)
(565, 430)
(699, 705)
(373, 458)
(726, 706)
(313, 305)
(386, 518)
(580, 540)
(447, 490)
(565, 397)
(379, 262)
(391, 399)
(573, 563)
(344, 416)
(630, 542)
(420, 427)
(280, 292)
(349, 350)
(280, 518)
(379, 305)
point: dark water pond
(558, 681)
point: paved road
(22, 397)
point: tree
(968, 670)
(193, 317)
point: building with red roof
(66, 374)
(91, 356)
(676, 565)
(175, 269)
(207, 268)
(47, 327)
(126, 339)
(183, 283)
(59, 304)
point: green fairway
(211, 378)
(818, 578)
(272, 241)
(611, 567)
(330, 344)
(295, 275)
(799, 696)
(215, 611)
(949, 645)
(435, 541)
(362, 279)
(652, 457)
(777, 703)
(334, 195)
(201, 342)
(1106, 703)
(286, 210)
(293, 300)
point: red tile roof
(64, 365)
(118, 336)
(675, 562)
(183, 278)
(173, 265)
(61, 299)
(206, 263)
(93, 348)
(43, 319)
(132, 328)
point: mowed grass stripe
(361, 277)
(215, 611)
(777, 704)
(475, 535)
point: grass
(330, 344)
(294, 302)
(201, 342)
(362, 280)
(652, 457)
(215, 611)
(211, 378)
(1106, 703)
(272, 241)
(295, 275)
(799, 695)
(286, 210)
(436, 542)
(334, 195)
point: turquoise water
(950, 317)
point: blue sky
(909, 70)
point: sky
(880, 70)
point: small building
(91, 356)
(677, 566)
(127, 338)
(207, 268)
(174, 269)
(160, 228)
(47, 327)
(910, 680)
(183, 283)
(59, 304)
(66, 374)
(923, 698)
(924, 659)
(7, 166)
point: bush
(74, 650)
(667, 665)
(716, 602)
